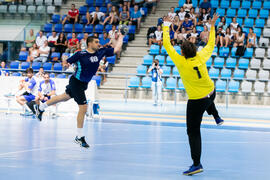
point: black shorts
(75, 89)
(71, 20)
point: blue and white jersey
(32, 85)
(156, 77)
(88, 63)
(46, 88)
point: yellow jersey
(193, 71)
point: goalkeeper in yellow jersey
(198, 85)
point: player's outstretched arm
(119, 44)
(207, 51)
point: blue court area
(132, 146)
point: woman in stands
(239, 38)
(203, 17)
(180, 37)
(176, 24)
(234, 25)
(193, 16)
(204, 36)
(61, 43)
(33, 53)
(220, 36)
(222, 23)
(228, 37)
(181, 15)
(158, 35)
(113, 17)
(124, 16)
(194, 35)
(188, 5)
(251, 42)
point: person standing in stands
(72, 16)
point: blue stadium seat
(62, 76)
(68, 28)
(218, 62)
(213, 73)
(147, 60)
(166, 71)
(243, 63)
(195, 4)
(169, 61)
(125, 39)
(69, 36)
(163, 51)
(224, 4)
(258, 32)
(233, 52)
(246, 31)
(99, 28)
(89, 3)
(154, 50)
(64, 16)
(25, 65)
(242, 13)
(234, 86)
(181, 85)
(214, 4)
(57, 67)
(238, 74)
(48, 27)
(264, 13)
(23, 56)
(231, 13)
(266, 5)
(36, 65)
(84, 20)
(108, 27)
(221, 86)
(171, 83)
(78, 28)
(141, 70)
(80, 36)
(91, 9)
(226, 74)
(83, 10)
(199, 29)
(248, 53)
(55, 18)
(175, 72)
(52, 75)
(240, 21)
(218, 20)
(249, 22)
(47, 66)
(221, 12)
(146, 82)
(111, 59)
(161, 59)
(55, 55)
(209, 62)
(99, 2)
(48, 35)
(134, 82)
(256, 5)
(231, 63)
(215, 52)
(89, 28)
(253, 13)
(246, 4)
(180, 3)
(177, 49)
(58, 28)
(235, 4)
(259, 23)
(224, 52)
(16, 74)
(97, 79)
(228, 21)
(103, 9)
(132, 29)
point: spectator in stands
(204, 36)
(105, 41)
(172, 14)
(222, 23)
(193, 16)
(181, 15)
(94, 17)
(83, 42)
(29, 40)
(188, 5)
(72, 16)
(220, 36)
(158, 37)
(113, 35)
(40, 73)
(44, 52)
(33, 53)
(205, 5)
(3, 71)
(187, 24)
(151, 5)
(61, 44)
(234, 25)
(251, 42)
(113, 17)
(203, 17)
(228, 37)
(194, 35)
(135, 17)
(124, 16)
(176, 25)
(103, 65)
(181, 36)
(73, 44)
(156, 82)
(112, 32)
(239, 38)
(52, 39)
(40, 39)
(138, 3)
(208, 23)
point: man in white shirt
(94, 17)
(172, 14)
(52, 39)
(43, 52)
(40, 39)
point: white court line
(135, 143)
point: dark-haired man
(199, 87)
(87, 65)
(72, 15)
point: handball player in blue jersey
(87, 63)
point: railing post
(126, 90)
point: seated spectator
(228, 37)
(112, 32)
(105, 41)
(205, 5)
(135, 17)
(180, 36)
(109, 8)
(151, 5)
(29, 40)
(182, 15)
(113, 17)
(222, 23)
(220, 36)
(203, 17)
(138, 3)
(124, 16)
(193, 16)
(176, 25)
(251, 42)
(113, 40)
(194, 35)
(103, 65)
(234, 25)
(40, 74)
(52, 39)
(83, 42)
(204, 36)
(61, 44)
(3, 67)
(172, 14)
(94, 17)
(240, 37)
(40, 39)
(188, 5)
(157, 38)
(187, 24)
(44, 52)
(33, 53)
(73, 44)
(208, 23)
(72, 16)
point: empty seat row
(246, 4)
(36, 65)
(22, 9)
(44, 2)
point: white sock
(26, 108)
(80, 132)
(42, 106)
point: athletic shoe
(38, 112)
(81, 141)
(219, 121)
(193, 170)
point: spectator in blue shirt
(105, 40)
(3, 70)
(205, 5)
(135, 17)
(187, 24)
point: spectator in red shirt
(72, 16)
(73, 44)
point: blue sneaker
(219, 121)
(193, 170)
(81, 141)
